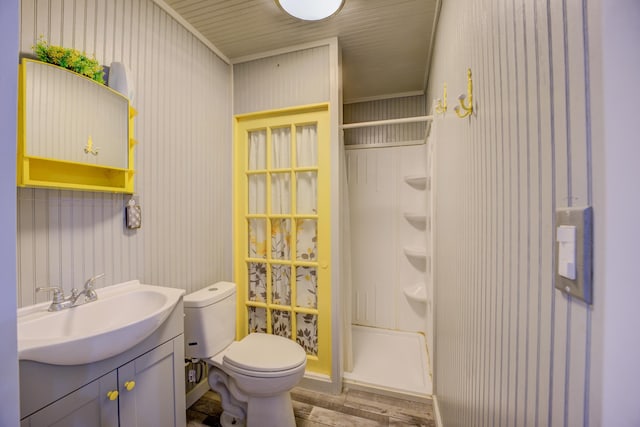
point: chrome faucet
(89, 291)
(60, 302)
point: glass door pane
(280, 238)
(307, 240)
(280, 193)
(307, 193)
(257, 147)
(306, 146)
(281, 148)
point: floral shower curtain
(285, 223)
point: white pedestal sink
(121, 317)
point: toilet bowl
(254, 375)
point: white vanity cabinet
(142, 387)
(86, 406)
(150, 402)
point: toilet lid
(265, 353)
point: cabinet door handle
(129, 385)
(112, 395)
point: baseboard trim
(318, 382)
(360, 385)
(436, 411)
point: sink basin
(123, 316)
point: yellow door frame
(317, 114)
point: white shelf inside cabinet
(415, 252)
(416, 292)
(416, 181)
(418, 220)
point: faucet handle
(89, 283)
(90, 292)
(58, 294)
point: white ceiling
(385, 43)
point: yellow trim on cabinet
(43, 172)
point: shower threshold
(389, 361)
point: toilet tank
(209, 320)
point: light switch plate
(582, 219)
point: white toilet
(254, 375)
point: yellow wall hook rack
(463, 110)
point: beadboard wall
(384, 109)
(300, 76)
(183, 157)
(510, 349)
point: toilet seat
(234, 370)
(263, 355)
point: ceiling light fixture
(311, 10)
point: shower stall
(390, 297)
(387, 157)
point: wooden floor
(312, 409)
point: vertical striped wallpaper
(392, 108)
(510, 349)
(295, 78)
(183, 156)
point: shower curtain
(281, 232)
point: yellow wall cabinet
(73, 133)
(282, 228)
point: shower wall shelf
(415, 252)
(416, 181)
(418, 220)
(416, 292)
